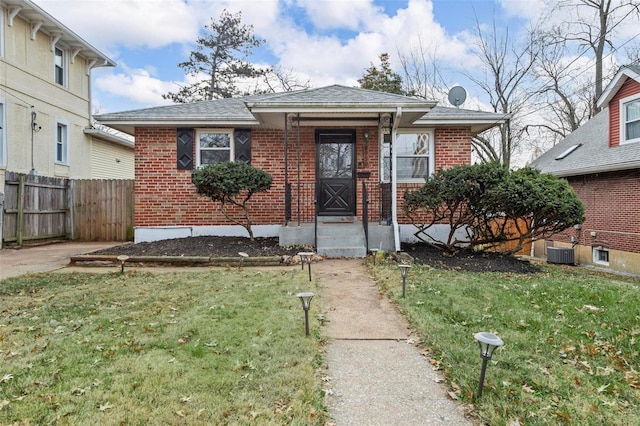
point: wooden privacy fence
(43, 208)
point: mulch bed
(230, 247)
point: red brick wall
(629, 88)
(612, 210)
(452, 148)
(165, 196)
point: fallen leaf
(181, 413)
(105, 407)
(527, 389)
(603, 388)
(6, 377)
(185, 399)
(453, 395)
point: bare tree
(422, 72)
(277, 80)
(592, 24)
(507, 71)
(565, 97)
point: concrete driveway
(46, 258)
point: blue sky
(323, 41)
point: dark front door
(335, 173)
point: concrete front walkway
(45, 258)
(376, 375)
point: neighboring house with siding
(601, 161)
(45, 100)
(322, 146)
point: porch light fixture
(366, 136)
(305, 257)
(243, 256)
(122, 259)
(305, 298)
(404, 270)
(488, 343)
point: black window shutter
(184, 141)
(242, 138)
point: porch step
(341, 240)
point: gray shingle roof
(593, 156)
(338, 94)
(255, 110)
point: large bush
(493, 205)
(232, 183)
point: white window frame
(623, 118)
(64, 142)
(596, 255)
(231, 149)
(64, 65)
(430, 156)
(3, 133)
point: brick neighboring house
(328, 143)
(601, 161)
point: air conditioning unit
(560, 255)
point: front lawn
(220, 347)
(572, 341)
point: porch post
(287, 192)
(298, 143)
(394, 179)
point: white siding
(111, 161)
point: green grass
(106, 349)
(572, 341)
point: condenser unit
(560, 255)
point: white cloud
(139, 86)
(340, 14)
(131, 23)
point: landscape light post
(305, 257)
(404, 270)
(305, 298)
(488, 343)
(243, 256)
(374, 252)
(122, 259)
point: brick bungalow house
(601, 161)
(340, 157)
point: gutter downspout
(394, 180)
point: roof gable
(623, 74)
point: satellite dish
(457, 96)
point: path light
(374, 252)
(243, 256)
(488, 343)
(305, 298)
(122, 259)
(305, 257)
(404, 270)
